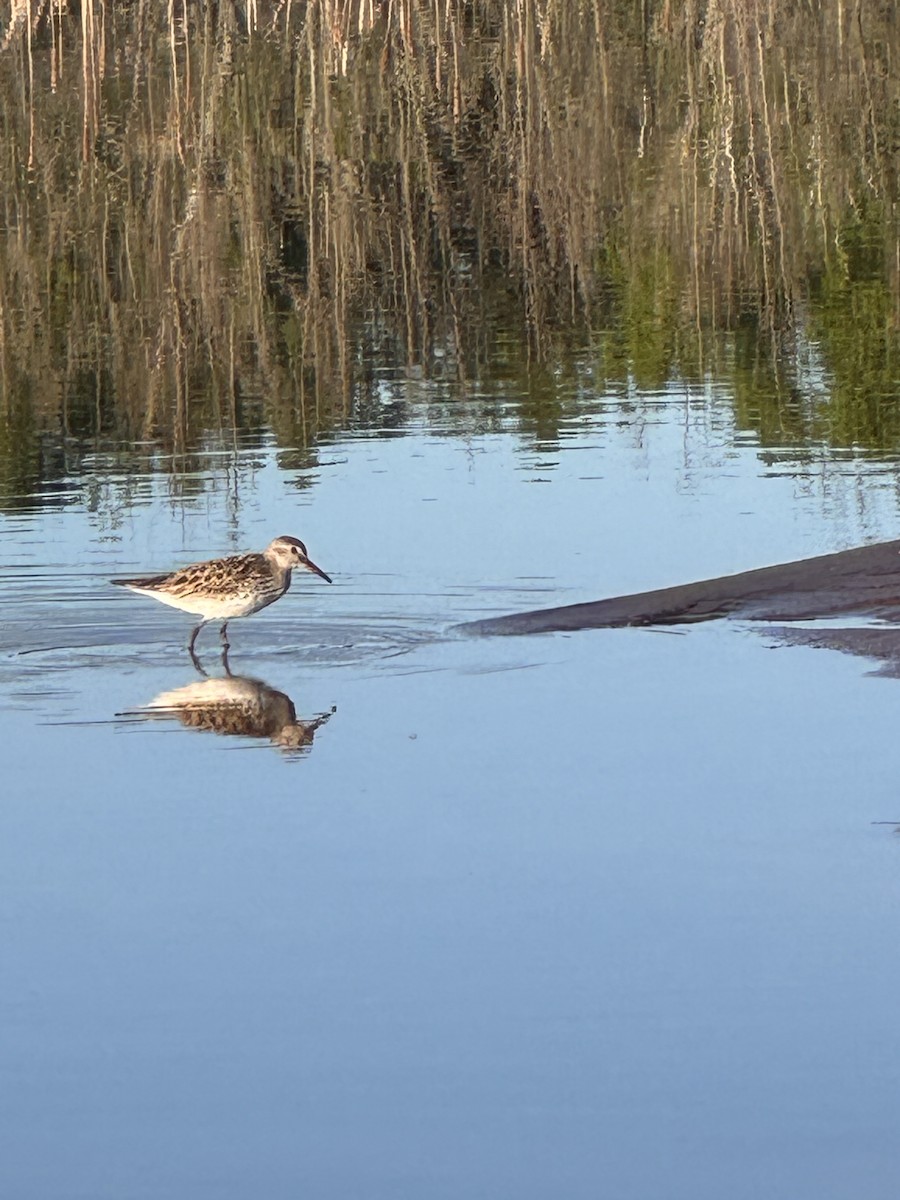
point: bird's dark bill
(311, 566)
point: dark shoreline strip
(864, 580)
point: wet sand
(864, 581)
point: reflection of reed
(239, 705)
(211, 201)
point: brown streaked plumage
(225, 588)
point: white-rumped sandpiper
(224, 588)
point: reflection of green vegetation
(840, 386)
(20, 456)
(855, 326)
(238, 228)
(645, 325)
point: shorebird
(224, 588)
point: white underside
(211, 693)
(208, 607)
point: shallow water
(497, 307)
(605, 913)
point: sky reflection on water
(600, 913)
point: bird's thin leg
(194, 637)
(223, 634)
(198, 666)
(225, 662)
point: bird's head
(289, 552)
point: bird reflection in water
(238, 705)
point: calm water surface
(592, 915)
(379, 910)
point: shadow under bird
(225, 588)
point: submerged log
(865, 580)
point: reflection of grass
(224, 225)
(856, 327)
(20, 457)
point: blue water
(603, 914)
